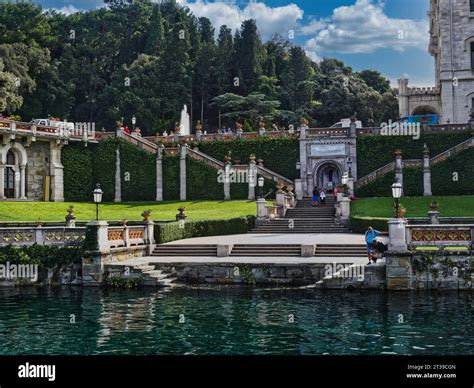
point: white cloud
(270, 20)
(66, 10)
(364, 28)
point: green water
(93, 321)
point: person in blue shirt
(370, 236)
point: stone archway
(327, 175)
(424, 110)
(13, 161)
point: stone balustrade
(441, 236)
(81, 131)
(54, 236)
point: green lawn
(56, 211)
(461, 206)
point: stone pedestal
(397, 235)
(299, 189)
(150, 236)
(433, 215)
(198, 135)
(94, 259)
(262, 214)
(307, 250)
(345, 209)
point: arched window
(9, 177)
(10, 158)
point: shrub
(360, 224)
(175, 231)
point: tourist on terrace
(322, 195)
(314, 199)
(370, 236)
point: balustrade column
(22, 182)
(2, 182)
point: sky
(390, 36)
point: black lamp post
(261, 183)
(397, 189)
(97, 199)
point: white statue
(184, 123)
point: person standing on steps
(370, 236)
(314, 199)
(322, 195)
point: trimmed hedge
(442, 180)
(138, 169)
(78, 162)
(170, 168)
(279, 155)
(174, 231)
(42, 255)
(360, 224)
(374, 152)
(203, 182)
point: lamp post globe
(397, 190)
(97, 193)
(134, 121)
(260, 183)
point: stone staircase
(305, 218)
(185, 250)
(149, 275)
(266, 250)
(346, 250)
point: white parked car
(346, 123)
(55, 124)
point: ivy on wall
(78, 172)
(202, 182)
(170, 168)
(450, 177)
(279, 155)
(374, 152)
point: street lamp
(397, 189)
(134, 121)
(97, 199)
(260, 182)
(298, 166)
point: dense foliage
(78, 162)
(177, 231)
(374, 152)
(42, 255)
(147, 59)
(450, 177)
(279, 155)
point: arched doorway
(328, 175)
(424, 110)
(9, 177)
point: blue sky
(390, 35)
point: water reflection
(229, 321)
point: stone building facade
(452, 46)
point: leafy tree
(375, 80)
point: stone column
(118, 177)
(262, 214)
(353, 127)
(22, 182)
(94, 260)
(227, 182)
(426, 173)
(397, 234)
(399, 167)
(159, 174)
(350, 184)
(2, 182)
(182, 173)
(310, 181)
(252, 174)
(150, 236)
(345, 209)
(299, 189)
(239, 132)
(17, 179)
(56, 172)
